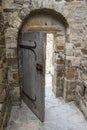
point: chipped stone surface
(3, 75)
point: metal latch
(39, 68)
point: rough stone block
(59, 42)
(80, 90)
(60, 73)
(18, 1)
(59, 87)
(69, 46)
(0, 118)
(85, 93)
(66, 83)
(77, 45)
(77, 54)
(5, 117)
(76, 61)
(84, 51)
(2, 86)
(70, 73)
(69, 90)
(54, 80)
(15, 94)
(60, 61)
(68, 63)
(12, 61)
(15, 76)
(1, 64)
(69, 53)
(84, 76)
(83, 108)
(8, 4)
(76, 3)
(1, 107)
(1, 75)
(69, 0)
(2, 96)
(60, 47)
(58, 0)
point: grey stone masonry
(4, 91)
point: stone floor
(58, 115)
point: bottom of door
(32, 106)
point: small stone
(0, 107)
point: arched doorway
(32, 57)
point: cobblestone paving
(58, 115)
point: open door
(32, 53)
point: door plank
(32, 48)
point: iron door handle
(39, 68)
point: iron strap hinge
(30, 48)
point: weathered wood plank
(33, 70)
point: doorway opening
(36, 56)
(50, 97)
(49, 65)
(34, 32)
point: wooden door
(32, 48)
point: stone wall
(59, 61)
(81, 88)
(4, 91)
(75, 55)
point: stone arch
(58, 79)
(55, 14)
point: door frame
(52, 30)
